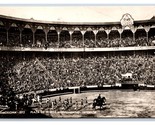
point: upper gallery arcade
(32, 33)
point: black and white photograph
(76, 62)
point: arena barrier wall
(42, 49)
(76, 90)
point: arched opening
(39, 38)
(114, 38)
(141, 37)
(151, 35)
(101, 39)
(14, 38)
(52, 38)
(65, 39)
(27, 37)
(3, 40)
(127, 39)
(77, 39)
(89, 39)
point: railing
(80, 89)
(42, 49)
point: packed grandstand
(45, 55)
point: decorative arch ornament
(127, 20)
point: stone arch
(114, 34)
(76, 29)
(141, 37)
(64, 39)
(114, 38)
(27, 37)
(14, 36)
(151, 35)
(127, 33)
(101, 38)
(89, 39)
(40, 27)
(52, 38)
(14, 25)
(27, 26)
(52, 28)
(1, 23)
(140, 33)
(39, 38)
(127, 38)
(3, 39)
(101, 35)
(77, 39)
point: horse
(99, 102)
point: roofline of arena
(71, 23)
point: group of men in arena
(66, 104)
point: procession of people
(59, 104)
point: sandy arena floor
(120, 104)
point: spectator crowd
(42, 72)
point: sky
(78, 13)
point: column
(119, 44)
(20, 35)
(33, 37)
(46, 37)
(133, 36)
(83, 40)
(120, 36)
(147, 36)
(83, 32)
(58, 38)
(46, 30)
(7, 36)
(33, 30)
(46, 42)
(46, 33)
(70, 32)
(133, 29)
(120, 32)
(107, 36)
(7, 27)
(95, 32)
(108, 31)
(147, 29)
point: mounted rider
(99, 101)
(99, 97)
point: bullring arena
(58, 69)
(120, 104)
